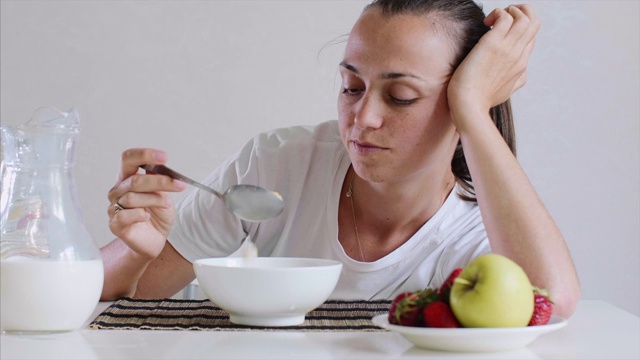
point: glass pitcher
(51, 270)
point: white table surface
(597, 330)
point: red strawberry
(542, 308)
(438, 314)
(445, 289)
(405, 309)
(427, 296)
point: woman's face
(393, 110)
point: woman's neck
(398, 207)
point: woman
(416, 178)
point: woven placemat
(172, 314)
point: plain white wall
(199, 78)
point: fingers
(144, 183)
(530, 14)
(126, 218)
(133, 226)
(512, 37)
(528, 49)
(512, 10)
(514, 23)
(130, 181)
(525, 25)
(143, 214)
(138, 194)
(499, 20)
(132, 159)
(142, 190)
(523, 32)
(132, 200)
(497, 64)
(141, 211)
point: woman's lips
(362, 147)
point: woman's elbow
(565, 300)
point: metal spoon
(247, 202)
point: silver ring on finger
(117, 207)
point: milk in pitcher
(45, 295)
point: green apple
(492, 291)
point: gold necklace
(353, 212)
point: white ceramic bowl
(267, 291)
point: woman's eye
(402, 101)
(351, 91)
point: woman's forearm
(516, 221)
(122, 270)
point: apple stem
(463, 281)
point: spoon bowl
(248, 202)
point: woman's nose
(368, 112)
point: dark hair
(463, 22)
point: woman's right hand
(148, 214)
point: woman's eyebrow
(391, 75)
(349, 67)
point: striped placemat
(172, 314)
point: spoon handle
(163, 170)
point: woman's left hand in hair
(496, 67)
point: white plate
(471, 339)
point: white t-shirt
(307, 166)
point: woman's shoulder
(325, 132)
(297, 150)
(460, 216)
